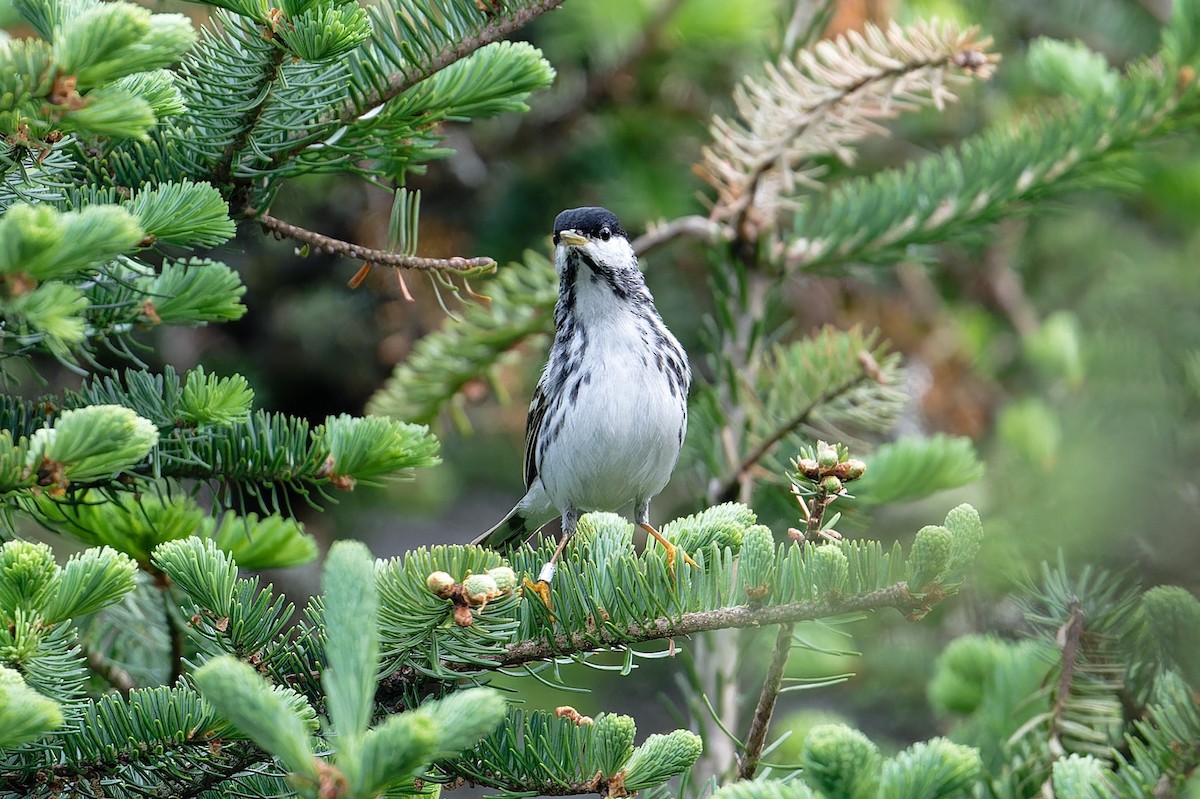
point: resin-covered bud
(440, 584)
(851, 469)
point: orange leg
(670, 548)
(570, 519)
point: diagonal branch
(494, 31)
(694, 226)
(729, 488)
(400, 82)
(1069, 637)
(332, 246)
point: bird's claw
(670, 549)
(542, 589)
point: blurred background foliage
(1065, 342)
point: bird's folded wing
(533, 431)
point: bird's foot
(542, 586)
(670, 549)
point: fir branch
(398, 688)
(873, 219)
(1069, 636)
(333, 246)
(205, 768)
(494, 31)
(822, 102)
(452, 50)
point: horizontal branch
(894, 596)
(395, 691)
(328, 244)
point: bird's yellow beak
(572, 239)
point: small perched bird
(609, 413)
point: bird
(608, 416)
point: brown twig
(112, 674)
(765, 708)
(1069, 635)
(327, 244)
(694, 226)
(395, 689)
(175, 632)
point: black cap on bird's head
(592, 222)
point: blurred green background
(1065, 342)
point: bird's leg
(570, 519)
(643, 520)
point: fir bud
(930, 554)
(440, 584)
(612, 741)
(809, 468)
(506, 578)
(28, 577)
(837, 760)
(479, 588)
(660, 758)
(756, 563)
(1174, 616)
(851, 469)
(831, 485)
(963, 670)
(830, 569)
(827, 457)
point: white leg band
(547, 573)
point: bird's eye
(605, 234)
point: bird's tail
(510, 532)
